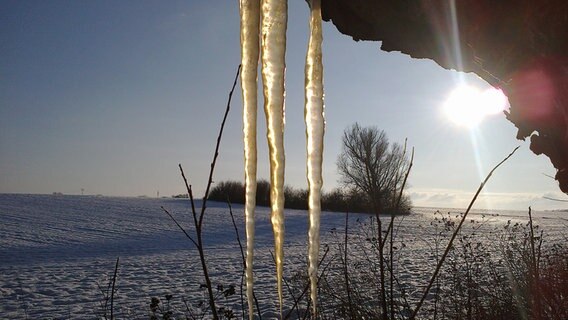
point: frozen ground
(56, 250)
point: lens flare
(468, 106)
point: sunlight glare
(467, 106)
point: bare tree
(370, 164)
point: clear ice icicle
(315, 124)
(250, 28)
(274, 19)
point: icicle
(250, 28)
(274, 15)
(315, 123)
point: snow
(55, 249)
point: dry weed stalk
(456, 231)
(198, 218)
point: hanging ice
(315, 123)
(273, 23)
(274, 19)
(250, 20)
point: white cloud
(447, 198)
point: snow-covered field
(55, 251)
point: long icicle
(315, 125)
(274, 17)
(250, 28)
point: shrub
(232, 191)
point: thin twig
(112, 291)
(179, 226)
(391, 226)
(449, 246)
(345, 269)
(237, 233)
(191, 315)
(288, 287)
(243, 258)
(210, 181)
(198, 221)
(535, 275)
(104, 303)
(533, 253)
(554, 199)
(382, 291)
(190, 195)
(399, 199)
(306, 287)
(199, 245)
(106, 296)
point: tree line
(338, 200)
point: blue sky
(110, 96)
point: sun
(467, 106)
